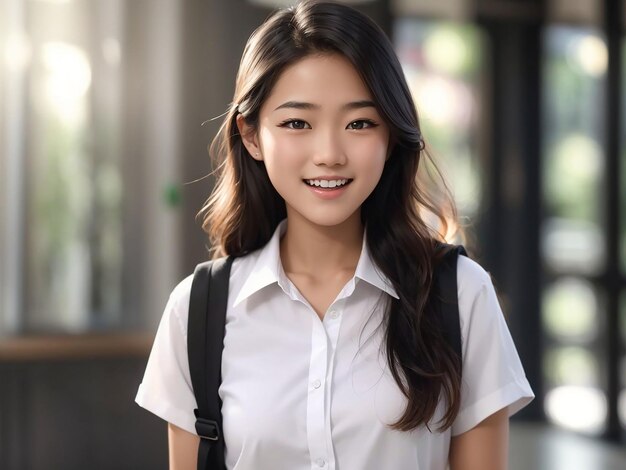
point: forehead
(328, 80)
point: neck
(321, 250)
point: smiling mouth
(328, 184)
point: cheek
(280, 152)
(371, 154)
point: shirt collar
(268, 270)
(369, 272)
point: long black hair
(244, 209)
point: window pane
(73, 216)
(621, 405)
(13, 55)
(622, 396)
(574, 70)
(572, 315)
(570, 365)
(622, 326)
(578, 408)
(441, 61)
(570, 310)
(622, 316)
(623, 162)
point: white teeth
(326, 183)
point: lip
(328, 193)
(328, 177)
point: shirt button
(320, 462)
(333, 313)
(317, 384)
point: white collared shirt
(300, 393)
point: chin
(328, 218)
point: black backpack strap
(205, 342)
(445, 283)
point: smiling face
(322, 140)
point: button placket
(316, 413)
(333, 322)
(333, 326)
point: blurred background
(102, 143)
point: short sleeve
(166, 388)
(493, 376)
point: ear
(249, 138)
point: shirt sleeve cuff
(515, 396)
(172, 415)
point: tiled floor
(539, 447)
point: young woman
(332, 358)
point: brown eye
(361, 124)
(294, 124)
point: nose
(329, 150)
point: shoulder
(179, 297)
(178, 303)
(478, 300)
(180, 293)
(471, 276)
(493, 376)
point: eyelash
(369, 122)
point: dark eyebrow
(297, 105)
(346, 107)
(358, 105)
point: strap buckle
(207, 429)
